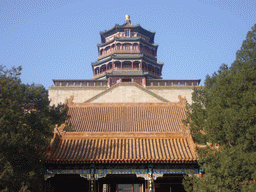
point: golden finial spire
(127, 19)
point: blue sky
(54, 39)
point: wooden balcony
(125, 52)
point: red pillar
(108, 82)
(144, 82)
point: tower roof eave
(127, 56)
(126, 39)
(104, 34)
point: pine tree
(26, 125)
(223, 118)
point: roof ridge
(124, 135)
(123, 104)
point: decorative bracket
(145, 176)
(98, 176)
(89, 177)
(48, 175)
(156, 175)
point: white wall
(57, 96)
(172, 94)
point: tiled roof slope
(123, 132)
(112, 148)
(126, 117)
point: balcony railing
(125, 69)
(172, 82)
(125, 52)
(80, 83)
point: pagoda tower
(127, 53)
(127, 68)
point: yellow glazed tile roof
(115, 147)
(140, 117)
(123, 132)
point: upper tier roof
(127, 25)
(135, 39)
(127, 117)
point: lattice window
(127, 33)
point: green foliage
(223, 115)
(69, 128)
(26, 125)
(196, 117)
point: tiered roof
(137, 39)
(135, 28)
(145, 57)
(144, 52)
(123, 132)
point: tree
(223, 119)
(26, 125)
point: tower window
(126, 80)
(127, 33)
(127, 47)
